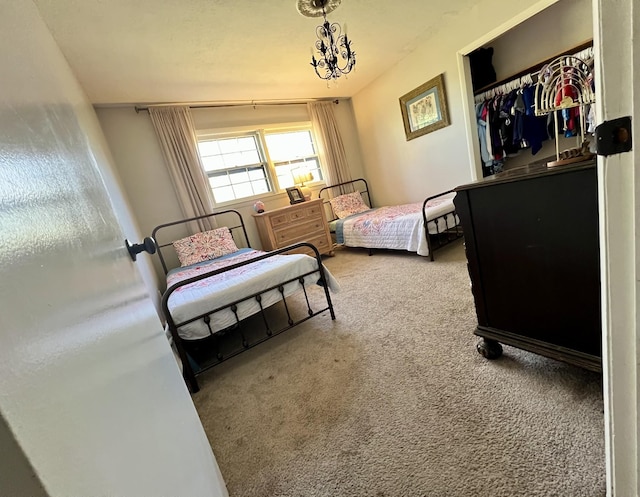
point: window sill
(267, 197)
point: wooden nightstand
(303, 222)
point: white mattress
(222, 289)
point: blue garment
(534, 128)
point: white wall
(563, 25)
(91, 397)
(145, 179)
(569, 23)
(404, 171)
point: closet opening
(498, 77)
(510, 130)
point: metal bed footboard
(245, 343)
(249, 337)
(451, 231)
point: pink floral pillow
(204, 246)
(347, 204)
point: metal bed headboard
(329, 192)
(162, 245)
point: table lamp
(300, 177)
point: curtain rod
(251, 103)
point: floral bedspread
(230, 286)
(213, 265)
(399, 227)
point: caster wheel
(245, 344)
(489, 349)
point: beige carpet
(392, 399)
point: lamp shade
(302, 177)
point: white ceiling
(154, 51)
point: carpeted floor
(392, 399)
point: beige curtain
(330, 147)
(175, 131)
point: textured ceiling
(145, 51)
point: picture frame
(425, 109)
(295, 195)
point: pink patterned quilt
(222, 289)
(399, 227)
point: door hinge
(613, 137)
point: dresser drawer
(279, 220)
(314, 211)
(296, 215)
(298, 232)
(321, 242)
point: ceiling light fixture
(331, 44)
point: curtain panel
(176, 134)
(330, 146)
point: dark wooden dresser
(531, 239)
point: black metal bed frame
(434, 240)
(440, 238)
(187, 348)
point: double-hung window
(292, 151)
(235, 165)
(242, 165)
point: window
(292, 150)
(249, 164)
(235, 166)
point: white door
(91, 398)
(616, 24)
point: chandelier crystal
(335, 56)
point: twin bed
(217, 303)
(222, 300)
(354, 223)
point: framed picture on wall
(425, 109)
(295, 195)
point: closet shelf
(532, 71)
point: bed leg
(192, 383)
(187, 371)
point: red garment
(566, 89)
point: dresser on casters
(532, 246)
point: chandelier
(332, 44)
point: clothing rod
(536, 67)
(525, 77)
(252, 103)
